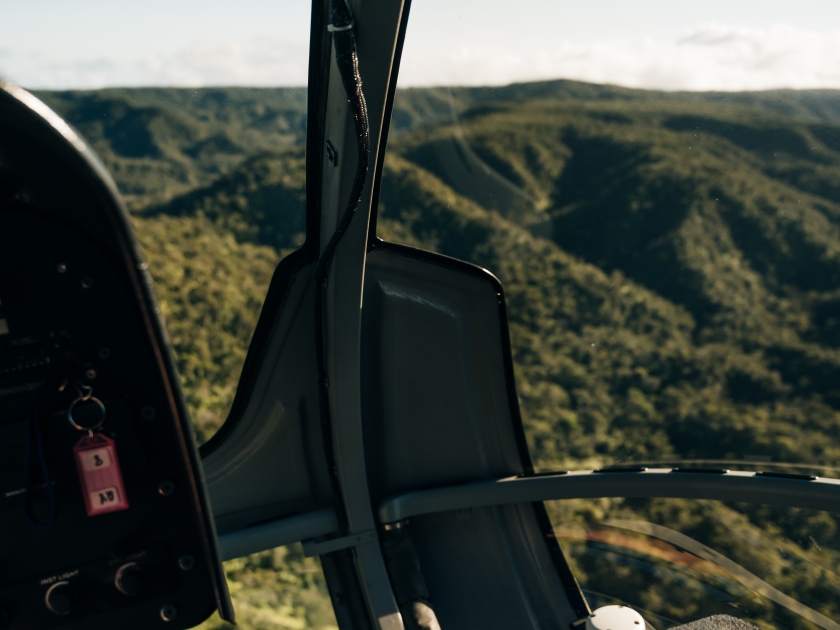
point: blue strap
(33, 435)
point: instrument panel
(103, 511)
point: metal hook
(75, 424)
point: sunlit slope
(212, 252)
(211, 288)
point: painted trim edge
(284, 531)
(749, 487)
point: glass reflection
(677, 561)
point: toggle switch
(61, 598)
(130, 579)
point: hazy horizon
(420, 87)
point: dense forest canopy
(671, 263)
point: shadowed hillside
(161, 142)
(262, 200)
(664, 201)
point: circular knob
(168, 612)
(129, 579)
(61, 598)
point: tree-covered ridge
(671, 265)
(162, 142)
(211, 289)
(672, 296)
(278, 589)
(262, 201)
(747, 262)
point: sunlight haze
(736, 45)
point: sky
(658, 44)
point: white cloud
(709, 57)
(256, 62)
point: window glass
(676, 561)
(660, 206)
(179, 100)
(278, 588)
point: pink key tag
(100, 475)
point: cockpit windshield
(655, 184)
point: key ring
(86, 392)
(87, 396)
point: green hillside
(671, 278)
(672, 293)
(671, 263)
(161, 142)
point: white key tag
(98, 466)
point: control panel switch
(61, 598)
(130, 579)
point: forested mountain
(671, 263)
(162, 142)
(670, 274)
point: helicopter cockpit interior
(468, 351)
